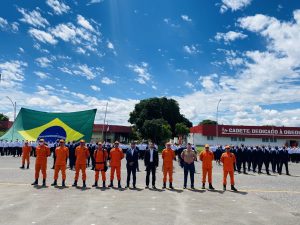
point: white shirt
(151, 155)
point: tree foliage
(208, 122)
(3, 117)
(181, 129)
(157, 130)
(157, 109)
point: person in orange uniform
(228, 160)
(116, 155)
(42, 152)
(61, 155)
(207, 157)
(26, 150)
(81, 154)
(100, 156)
(168, 155)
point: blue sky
(74, 55)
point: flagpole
(104, 121)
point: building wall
(199, 139)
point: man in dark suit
(284, 160)
(151, 162)
(132, 157)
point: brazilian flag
(32, 125)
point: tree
(181, 129)
(157, 108)
(157, 130)
(208, 122)
(3, 117)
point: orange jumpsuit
(228, 160)
(62, 154)
(116, 155)
(42, 152)
(168, 156)
(26, 150)
(100, 156)
(81, 154)
(206, 157)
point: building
(247, 135)
(111, 133)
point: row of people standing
(255, 158)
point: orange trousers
(112, 172)
(168, 170)
(41, 167)
(61, 168)
(25, 158)
(103, 175)
(207, 172)
(231, 174)
(81, 167)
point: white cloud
(33, 18)
(95, 2)
(186, 18)
(106, 80)
(42, 36)
(41, 75)
(3, 22)
(43, 62)
(12, 73)
(58, 6)
(21, 50)
(192, 49)
(66, 32)
(189, 84)
(95, 88)
(84, 23)
(65, 70)
(6, 26)
(230, 36)
(141, 71)
(110, 45)
(86, 71)
(209, 82)
(38, 101)
(234, 5)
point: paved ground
(261, 199)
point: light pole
(104, 122)
(217, 126)
(14, 104)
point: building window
(210, 138)
(234, 139)
(241, 139)
(273, 140)
(265, 140)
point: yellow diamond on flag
(55, 129)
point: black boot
(44, 183)
(192, 187)
(54, 183)
(63, 184)
(211, 187)
(111, 184)
(224, 187)
(171, 186)
(203, 185)
(164, 185)
(27, 166)
(75, 183)
(119, 184)
(103, 185)
(22, 167)
(35, 182)
(84, 185)
(96, 184)
(233, 188)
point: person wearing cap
(207, 157)
(132, 157)
(26, 149)
(228, 160)
(42, 152)
(188, 156)
(168, 155)
(116, 155)
(81, 154)
(61, 155)
(100, 156)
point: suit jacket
(132, 160)
(147, 157)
